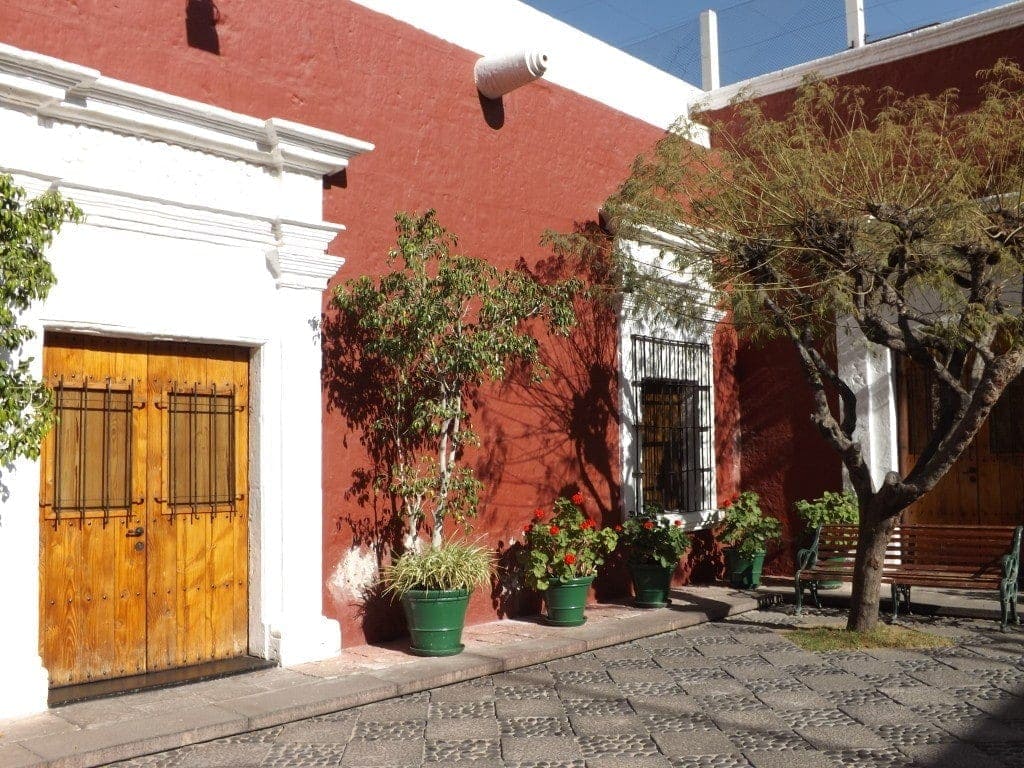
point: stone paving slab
(99, 732)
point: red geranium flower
(538, 513)
(677, 523)
(648, 524)
(577, 499)
(526, 528)
(618, 528)
(554, 530)
(570, 558)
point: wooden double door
(143, 508)
(986, 484)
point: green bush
(745, 526)
(650, 538)
(568, 546)
(830, 508)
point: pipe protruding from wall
(497, 75)
(710, 77)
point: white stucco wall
(201, 225)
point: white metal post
(855, 29)
(710, 79)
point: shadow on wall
(370, 521)
(201, 18)
(784, 456)
(559, 435)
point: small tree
(901, 218)
(26, 229)
(432, 332)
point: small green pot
(566, 601)
(435, 618)
(651, 583)
(744, 572)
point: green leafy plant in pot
(425, 338)
(561, 558)
(831, 508)
(748, 531)
(653, 545)
(434, 587)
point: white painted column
(855, 28)
(298, 630)
(710, 77)
(24, 684)
(868, 369)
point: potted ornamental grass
(653, 545)
(747, 530)
(434, 587)
(831, 508)
(561, 557)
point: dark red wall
(498, 181)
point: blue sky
(755, 36)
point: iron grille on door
(201, 455)
(92, 450)
(673, 430)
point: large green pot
(744, 572)
(435, 618)
(566, 600)
(651, 583)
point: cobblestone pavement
(734, 694)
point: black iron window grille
(92, 450)
(201, 455)
(674, 455)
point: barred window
(674, 463)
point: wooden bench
(942, 556)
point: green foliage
(649, 537)
(567, 546)
(454, 565)
(866, 213)
(830, 508)
(433, 331)
(26, 229)
(746, 527)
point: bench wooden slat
(949, 556)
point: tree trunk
(876, 526)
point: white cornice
(884, 51)
(297, 259)
(63, 91)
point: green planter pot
(566, 600)
(435, 618)
(744, 572)
(651, 583)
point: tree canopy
(900, 215)
(27, 227)
(429, 333)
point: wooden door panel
(92, 595)
(200, 527)
(115, 604)
(986, 484)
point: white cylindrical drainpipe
(497, 75)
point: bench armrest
(806, 558)
(1010, 567)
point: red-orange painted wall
(552, 162)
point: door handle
(136, 531)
